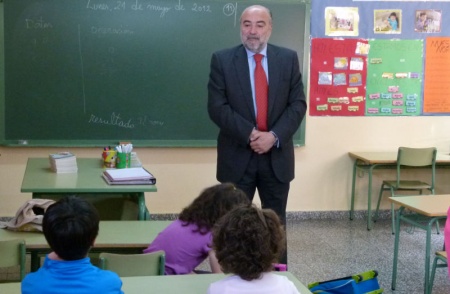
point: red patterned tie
(261, 94)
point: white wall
(323, 167)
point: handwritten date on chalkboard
(136, 5)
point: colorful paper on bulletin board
(437, 76)
(338, 77)
(394, 77)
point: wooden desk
(186, 284)
(434, 207)
(368, 161)
(43, 183)
(113, 236)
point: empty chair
(12, 253)
(409, 157)
(134, 265)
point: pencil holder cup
(123, 160)
(109, 158)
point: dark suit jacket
(230, 106)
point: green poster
(394, 78)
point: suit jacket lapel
(274, 76)
(242, 72)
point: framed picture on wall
(341, 21)
(387, 21)
(428, 21)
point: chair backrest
(134, 265)
(12, 253)
(417, 157)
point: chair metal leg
(392, 211)
(433, 270)
(438, 231)
(433, 273)
(393, 218)
(375, 218)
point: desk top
(186, 283)
(427, 205)
(390, 157)
(112, 234)
(39, 178)
(167, 284)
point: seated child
(70, 227)
(247, 242)
(187, 241)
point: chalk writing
(201, 8)
(120, 5)
(135, 5)
(37, 24)
(146, 121)
(179, 6)
(162, 9)
(97, 6)
(111, 31)
(130, 123)
(114, 120)
(229, 9)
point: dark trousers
(272, 193)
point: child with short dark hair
(187, 241)
(247, 241)
(70, 227)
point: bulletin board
(379, 58)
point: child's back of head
(70, 227)
(248, 240)
(212, 204)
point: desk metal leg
(369, 169)
(397, 239)
(352, 205)
(427, 255)
(369, 200)
(142, 208)
(35, 261)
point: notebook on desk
(129, 176)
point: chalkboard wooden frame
(46, 125)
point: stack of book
(63, 162)
(128, 176)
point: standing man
(258, 110)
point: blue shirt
(393, 24)
(75, 276)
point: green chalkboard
(95, 72)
